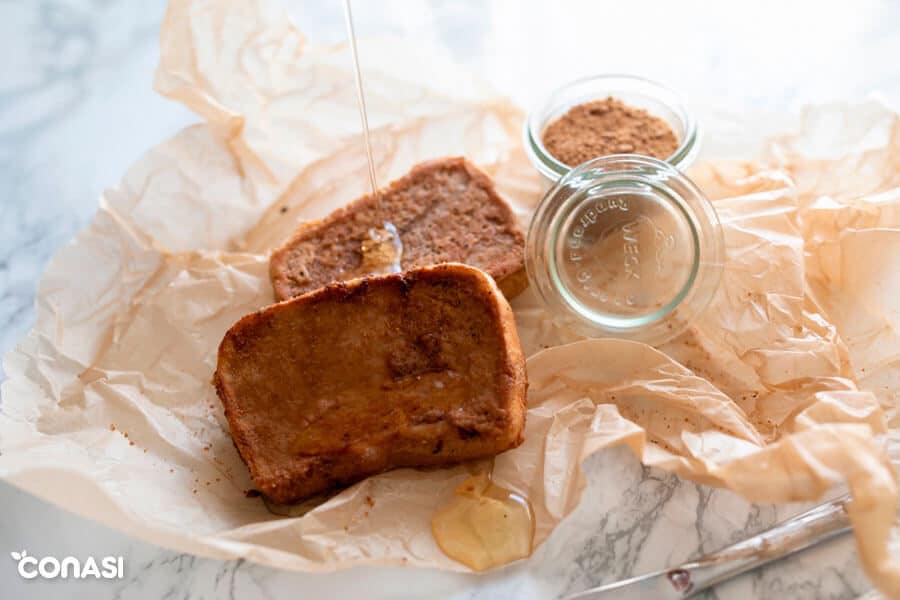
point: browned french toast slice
(413, 369)
(443, 210)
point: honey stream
(382, 251)
(360, 95)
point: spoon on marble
(797, 533)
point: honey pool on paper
(484, 525)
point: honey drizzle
(360, 96)
(458, 526)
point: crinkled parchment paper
(786, 387)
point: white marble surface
(76, 108)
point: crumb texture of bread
(414, 369)
(445, 210)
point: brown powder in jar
(608, 126)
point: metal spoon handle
(795, 534)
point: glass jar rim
(665, 186)
(552, 168)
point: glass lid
(625, 246)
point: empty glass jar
(625, 246)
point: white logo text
(50, 567)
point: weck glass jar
(625, 246)
(634, 91)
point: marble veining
(76, 108)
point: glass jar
(625, 246)
(634, 91)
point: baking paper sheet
(787, 386)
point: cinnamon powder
(608, 126)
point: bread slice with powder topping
(444, 210)
(413, 369)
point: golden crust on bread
(414, 369)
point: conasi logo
(50, 567)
